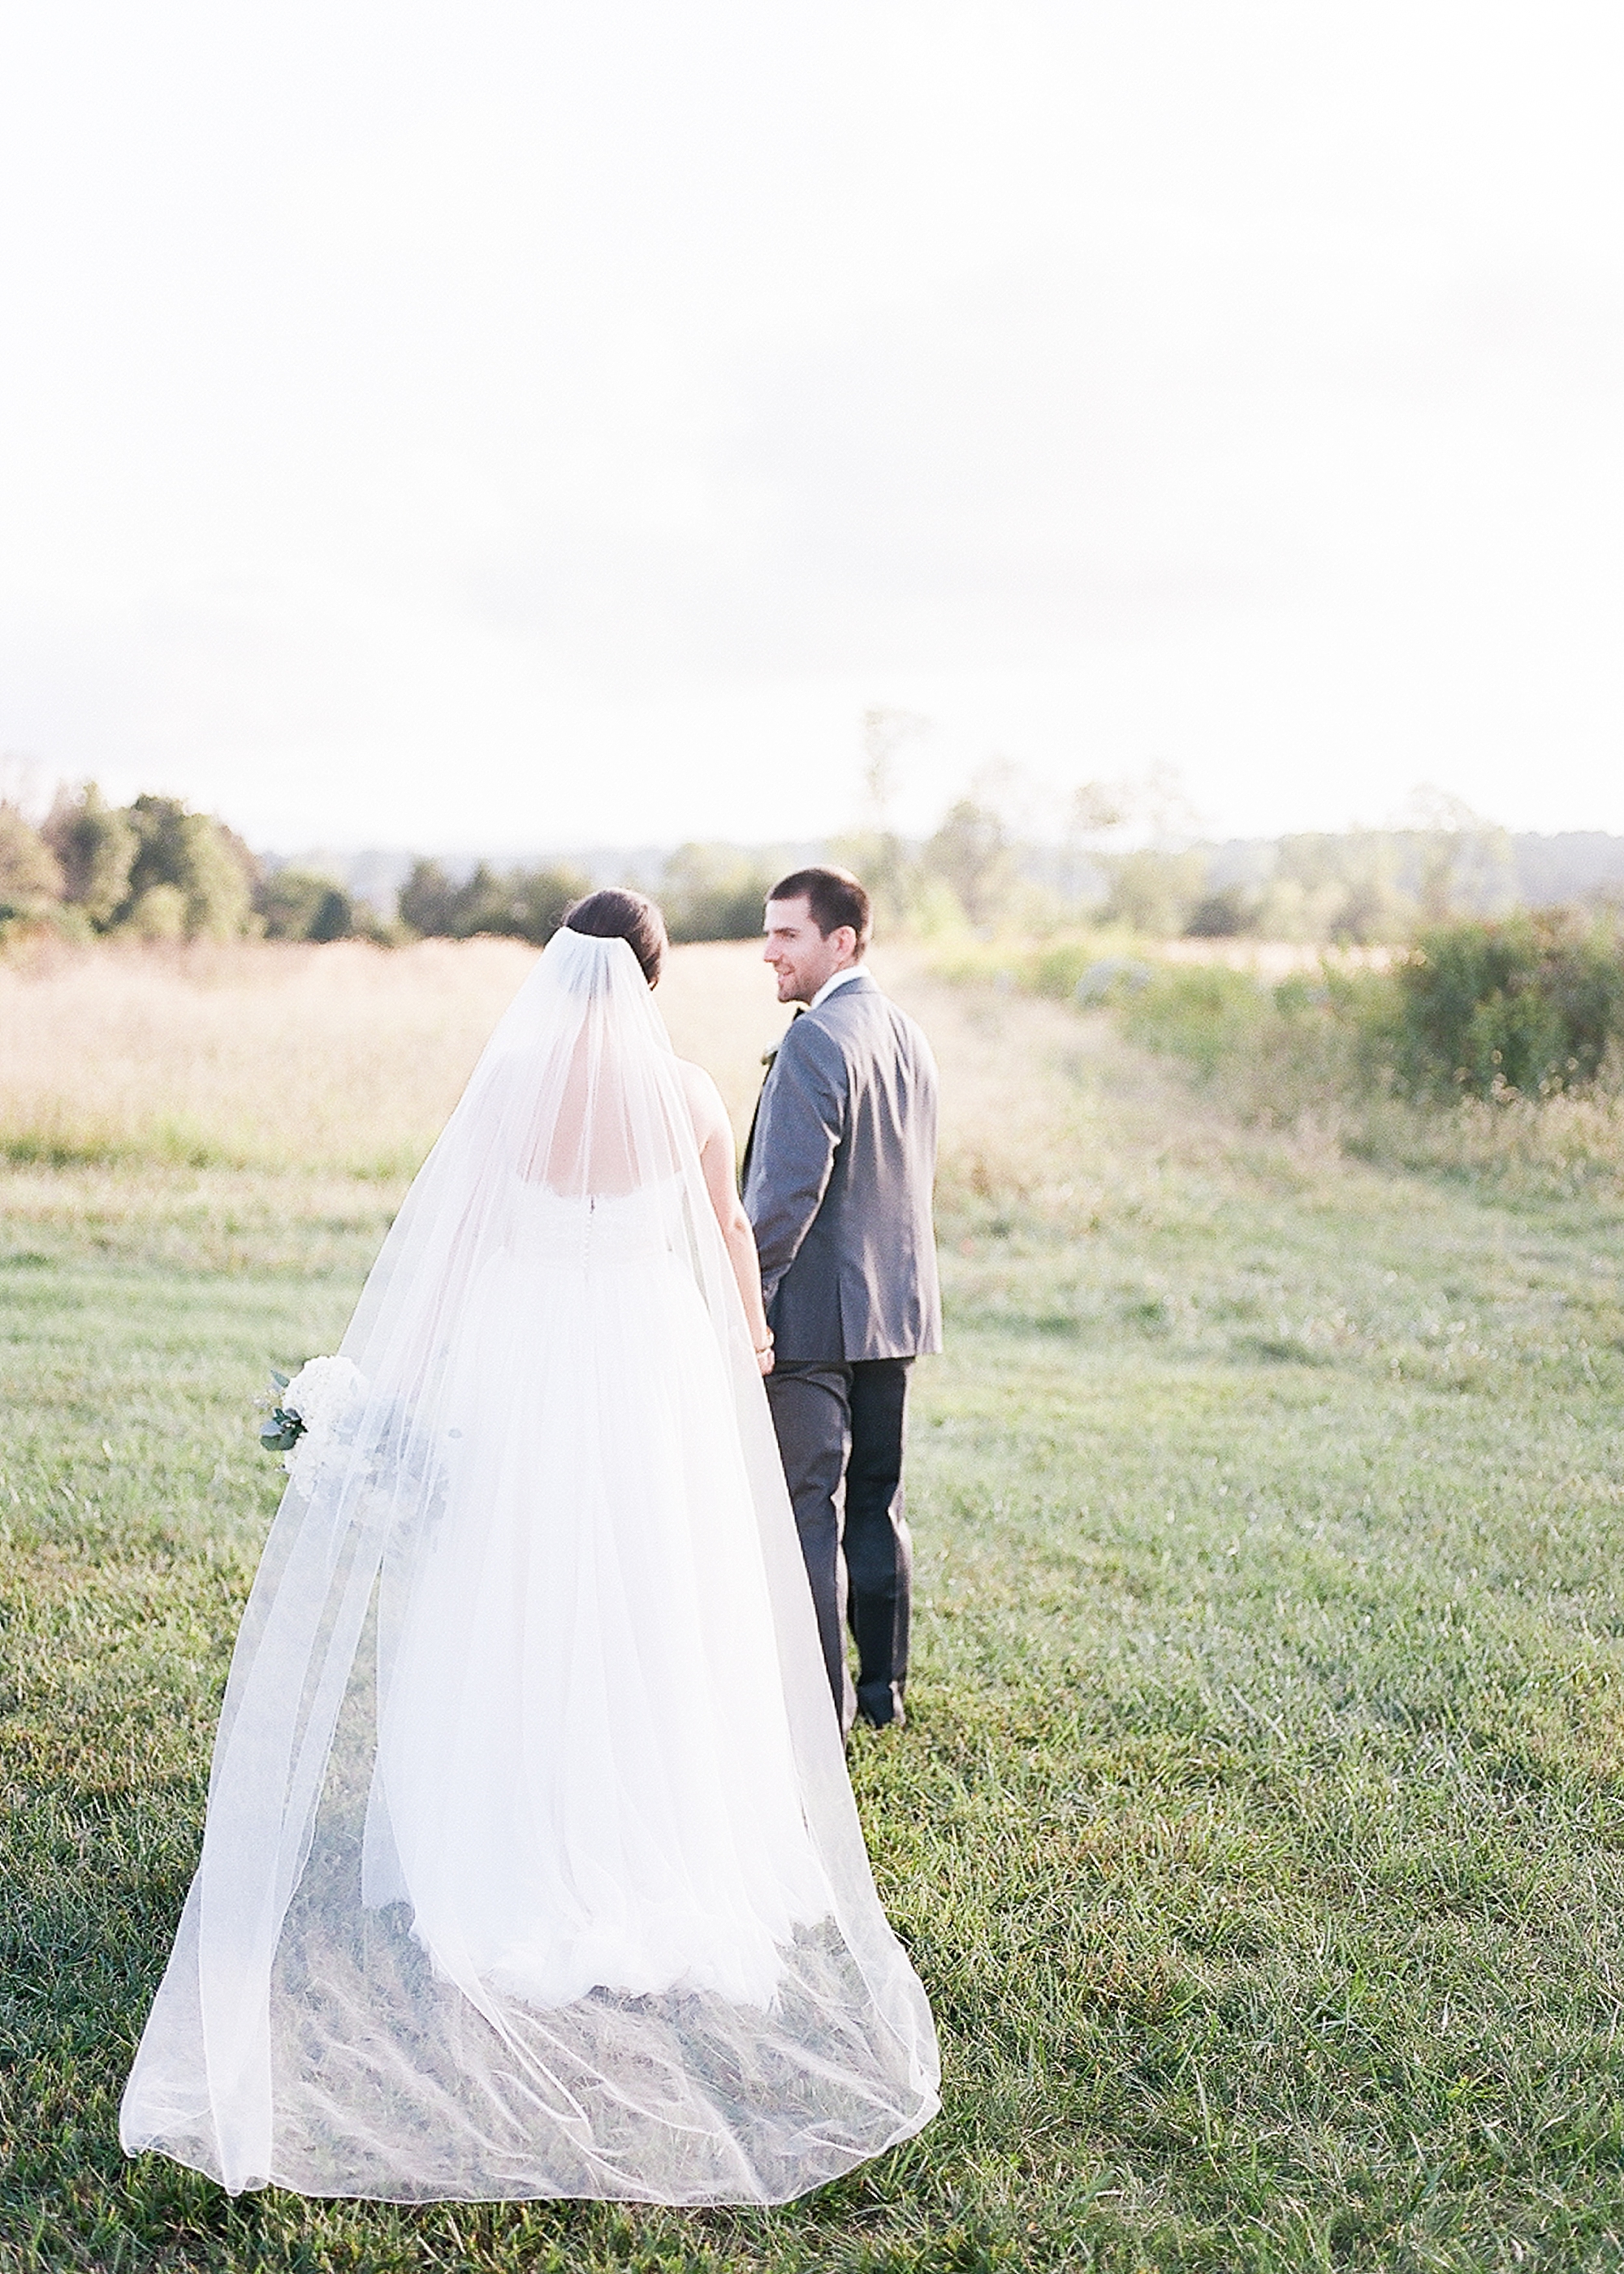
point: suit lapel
(767, 1058)
(861, 985)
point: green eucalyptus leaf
(282, 1433)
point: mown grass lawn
(1258, 1830)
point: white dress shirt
(852, 971)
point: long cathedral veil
(530, 1866)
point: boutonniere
(768, 1056)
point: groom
(837, 1176)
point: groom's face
(799, 955)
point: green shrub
(1056, 970)
(1055, 966)
(1203, 1012)
(1316, 1041)
(1532, 1004)
(1527, 1006)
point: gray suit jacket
(838, 1178)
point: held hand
(763, 1359)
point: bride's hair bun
(617, 914)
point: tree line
(154, 869)
(978, 872)
(151, 869)
(157, 871)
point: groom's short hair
(833, 895)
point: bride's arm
(715, 1134)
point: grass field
(1258, 1830)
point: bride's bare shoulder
(704, 1099)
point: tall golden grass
(246, 1055)
(270, 1056)
(347, 1058)
(341, 1063)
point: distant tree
(1094, 809)
(512, 904)
(96, 845)
(715, 892)
(160, 914)
(194, 857)
(240, 850)
(482, 906)
(521, 903)
(334, 916)
(1459, 863)
(428, 901)
(297, 904)
(1155, 893)
(877, 852)
(1093, 813)
(972, 853)
(31, 875)
(1222, 914)
(1337, 886)
(539, 897)
(1435, 881)
(1485, 869)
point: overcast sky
(511, 425)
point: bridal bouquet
(314, 1417)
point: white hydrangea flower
(327, 1395)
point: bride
(530, 1866)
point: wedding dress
(530, 1866)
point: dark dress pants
(840, 1431)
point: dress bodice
(597, 1229)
